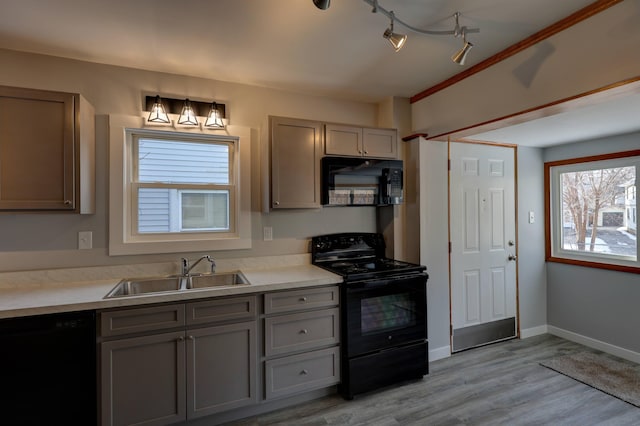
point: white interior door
(483, 244)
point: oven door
(384, 312)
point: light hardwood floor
(499, 384)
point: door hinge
(450, 329)
(449, 165)
(450, 249)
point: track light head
(396, 40)
(461, 55)
(322, 4)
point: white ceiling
(283, 44)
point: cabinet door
(37, 156)
(380, 143)
(343, 140)
(296, 148)
(221, 368)
(143, 380)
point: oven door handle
(416, 281)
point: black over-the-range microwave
(355, 181)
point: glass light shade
(158, 113)
(188, 116)
(214, 119)
(396, 40)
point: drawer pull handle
(304, 372)
(303, 299)
(304, 331)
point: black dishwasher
(48, 370)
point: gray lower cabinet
(165, 377)
(144, 380)
(301, 341)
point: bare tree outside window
(592, 199)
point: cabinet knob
(277, 203)
(366, 152)
(303, 299)
(181, 339)
(67, 202)
(190, 337)
(304, 372)
(304, 331)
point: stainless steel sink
(139, 286)
(216, 280)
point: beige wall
(598, 51)
(44, 241)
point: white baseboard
(533, 331)
(595, 344)
(439, 353)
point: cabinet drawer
(288, 301)
(114, 323)
(299, 373)
(220, 310)
(295, 332)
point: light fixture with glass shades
(398, 40)
(214, 119)
(158, 113)
(185, 112)
(188, 115)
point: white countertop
(50, 297)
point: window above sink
(178, 191)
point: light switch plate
(85, 240)
(268, 233)
(532, 217)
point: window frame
(123, 236)
(553, 214)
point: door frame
(515, 195)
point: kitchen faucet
(186, 269)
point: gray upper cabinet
(47, 151)
(296, 149)
(360, 142)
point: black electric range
(383, 308)
(358, 256)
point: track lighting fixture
(461, 55)
(396, 40)
(322, 4)
(187, 112)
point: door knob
(513, 257)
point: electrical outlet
(85, 240)
(268, 233)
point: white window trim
(122, 241)
(559, 254)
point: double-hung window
(178, 191)
(182, 184)
(592, 208)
